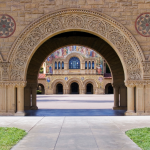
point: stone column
(139, 99)
(34, 107)
(123, 97)
(116, 97)
(147, 98)
(20, 101)
(11, 99)
(27, 98)
(65, 65)
(130, 100)
(3, 100)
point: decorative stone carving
(4, 69)
(7, 26)
(76, 19)
(146, 70)
(142, 24)
(14, 84)
(137, 83)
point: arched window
(89, 65)
(55, 65)
(59, 65)
(92, 64)
(74, 63)
(62, 65)
(86, 65)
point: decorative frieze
(13, 83)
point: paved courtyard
(75, 105)
(76, 133)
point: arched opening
(40, 89)
(89, 88)
(74, 87)
(59, 89)
(74, 63)
(109, 89)
(77, 38)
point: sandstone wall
(26, 11)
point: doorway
(59, 89)
(89, 88)
(74, 88)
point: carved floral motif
(71, 20)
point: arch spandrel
(61, 21)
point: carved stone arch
(74, 55)
(70, 81)
(56, 82)
(87, 81)
(89, 21)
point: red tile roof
(41, 76)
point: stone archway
(96, 23)
(56, 82)
(91, 81)
(75, 80)
(108, 88)
(101, 29)
(41, 88)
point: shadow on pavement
(75, 112)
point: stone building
(75, 70)
(119, 30)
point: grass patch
(9, 137)
(141, 136)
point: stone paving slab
(76, 133)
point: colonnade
(17, 97)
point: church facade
(75, 70)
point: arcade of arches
(33, 42)
(76, 64)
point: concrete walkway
(76, 133)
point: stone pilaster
(11, 92)
(130, 99)
(20, 99)
(139, 99)
(3, 99)
(147, 98)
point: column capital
(13, 83)
(137, 83)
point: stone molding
(4, 68)
(95, 22)
(146, 69)
(137, 83)
(13, 84)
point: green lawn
(9, 137)
(141, 136)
